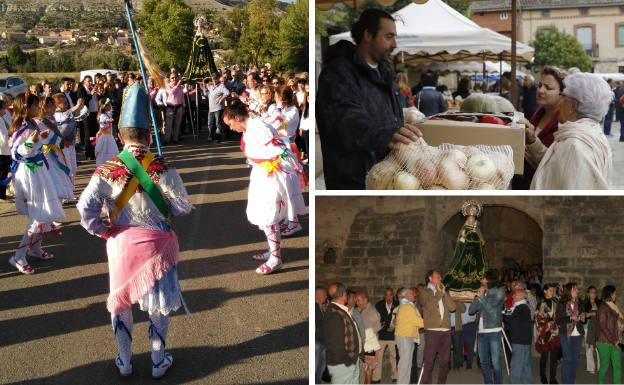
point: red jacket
(546, 136)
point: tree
(560, 49)
(259, 38)
(167, 27)
(293, 36)
(15, 55)
(231, 25)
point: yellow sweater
(408, 321)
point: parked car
(13, 85)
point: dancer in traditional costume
(35, 194)
(64, 117)
(284, 118)
(275, 182)
(139, 192)
(53, 149)
(105, 145)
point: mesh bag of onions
(419, 166)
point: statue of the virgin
(469, 263)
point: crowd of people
(566, 113)
(513, 316)
(85, 116)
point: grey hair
(403, 293)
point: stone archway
(511, 236)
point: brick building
(597, 24)
(374, 242)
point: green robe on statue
(468, 264)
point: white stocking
(159, 325)
(25, 244)
(274, 238)
(122, 326)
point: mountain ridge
(22, 15)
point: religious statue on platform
(469, 263)
(201, 63)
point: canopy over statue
(469, 263)
(201, 63)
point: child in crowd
(52, 149)
(105, 145)
(64, 117)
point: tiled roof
(503, 5)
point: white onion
(455, 156)
(426, 172)
(481, 167)
(470, 151)
(451, 176)
(405, 181)
(380, 175)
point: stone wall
(374, 242)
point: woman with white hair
(580, 157)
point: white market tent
(435, 32)
(469, 68)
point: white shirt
(69, 100)
(93, 103)
(161, 98)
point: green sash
(145, 181)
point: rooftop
(505, 5)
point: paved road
(245, 328)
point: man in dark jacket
(343, 342)
(529, 99)
(89, 125)
(358, 112)
(320, 297)
(385, 308)
(429, 100)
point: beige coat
(579, 159)
(431, 308)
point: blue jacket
(490, 307)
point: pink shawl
(137, 258)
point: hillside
(84, 14)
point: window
(584, 11)
(619, 35)
(504, 15)
(546, 12)
(585, 36)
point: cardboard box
(436, 132)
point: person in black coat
(358, 114)
(529, 99)
(89, 125)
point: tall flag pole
(136, 47)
